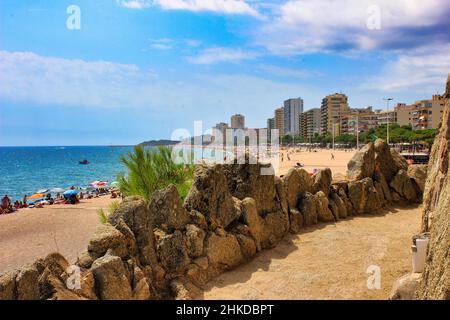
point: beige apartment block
(334, 107)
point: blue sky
(139, 69)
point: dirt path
(327, 261)
(30, 234)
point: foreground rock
(405, 287)
(435, 282)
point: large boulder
(379, 179)
(210, 196)
(194, 240)
(275, 227)
(136, 215)
(324, 213)
(282, 197)
(27, 283)
(223, 250)
(405, 287)
(8, 285)
(364, 196)
(362, 164)
(111, 280)
(403, 185)
(167, 211)
(435, 282)
(322, 181)
(308, 209)
(296, 182)
(250, 180)
(107, 237)
(252, 219)
(296, 221)
(418, 172)
(173, 253)
(340, 205)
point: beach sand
(327, 261)
(29, 234)
(317, 160)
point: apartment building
(333, 108)
(292, 110)
(309, 123)
(279, 121)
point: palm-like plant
(151, 170)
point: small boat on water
(83, 162)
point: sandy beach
(29, 234)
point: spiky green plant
(103, 215)
(151, 170)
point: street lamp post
(388, 119)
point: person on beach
(6, 204)
(332, 156)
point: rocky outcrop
(364, 196)
(322, 181)
(435, 282)
(211, 196)
(167, 210)
(404, 186)
(418, 173)
(296, 182)
(405, 287)
(362, 165)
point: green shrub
(151, 170)
(103, 215)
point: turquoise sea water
(24, 170)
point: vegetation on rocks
(150, 170)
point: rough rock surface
(210, 196)
(418, 172)
(111, 278)
(387, 161)
(134, 212)
(194, 240)
(403, 185)
(362, 165)
(435, 283)
(173, 253)
(254, 222)
(322, 181)
(308, 208)
(107, 237)
(324, 213)
(380, 179)
(167, 211)
(223, 250)
(405, 287)
(246, 180)
(364, 196)
(296, 183)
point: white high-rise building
(292, 110)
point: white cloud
(219, 6)
(220, 54)
(162, 44)
(423, 70)
(328, 25)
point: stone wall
(435, 283)
(169, 249)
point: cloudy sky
(139, 69)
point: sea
(24, 170)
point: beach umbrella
(99, 184)
(70, 193)
(57, 190)
(36, 195)
(42, 191)
(114, 184)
